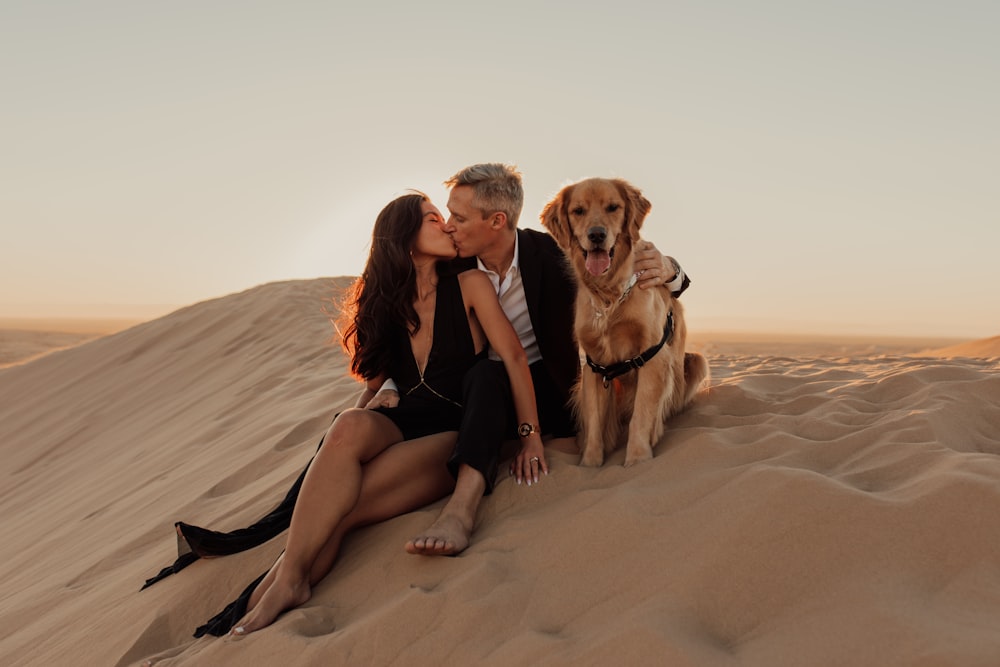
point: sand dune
(807, 510)
(987, 347)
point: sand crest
(807, 510)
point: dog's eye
(611, 208)
(577, 211)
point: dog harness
(609, 373)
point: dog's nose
(597, 235)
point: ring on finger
(533, 459)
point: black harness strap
(622, 367)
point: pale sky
(815, 166)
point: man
(538, 295)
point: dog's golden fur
(596, 222)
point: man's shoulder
(542, 257)
(538, 241)
(537, 236)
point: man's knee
(486, 378)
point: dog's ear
(637, 206)
(554, 218)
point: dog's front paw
(635, 455)
(592, 459)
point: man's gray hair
(495, 187)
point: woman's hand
(530, 460)
(385, 398)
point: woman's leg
(329, 493)
(403, 478)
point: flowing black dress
(428, 403)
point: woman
(423, 327)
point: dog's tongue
(598, 262)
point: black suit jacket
(550, 292)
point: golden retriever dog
(638, 373)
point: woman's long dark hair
(381, 299)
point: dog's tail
(696, 372)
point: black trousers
(489, 418)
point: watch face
(525, 429)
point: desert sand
(821, 503)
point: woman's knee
(349, 426)
(359, 430)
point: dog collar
(609, 373)
(628, 287)
(602, 309)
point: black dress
(428, 403)
(431, 403)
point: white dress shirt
(514, 304)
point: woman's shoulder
(474, 279)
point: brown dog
(634, 339)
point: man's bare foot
(279, 597)
(447, 536)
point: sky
(816, 167)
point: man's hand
(385, 398)
(653, 268)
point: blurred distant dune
(24, 339)
(986, 348)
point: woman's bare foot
(447, 536)
(280, 596)
(265, 584)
